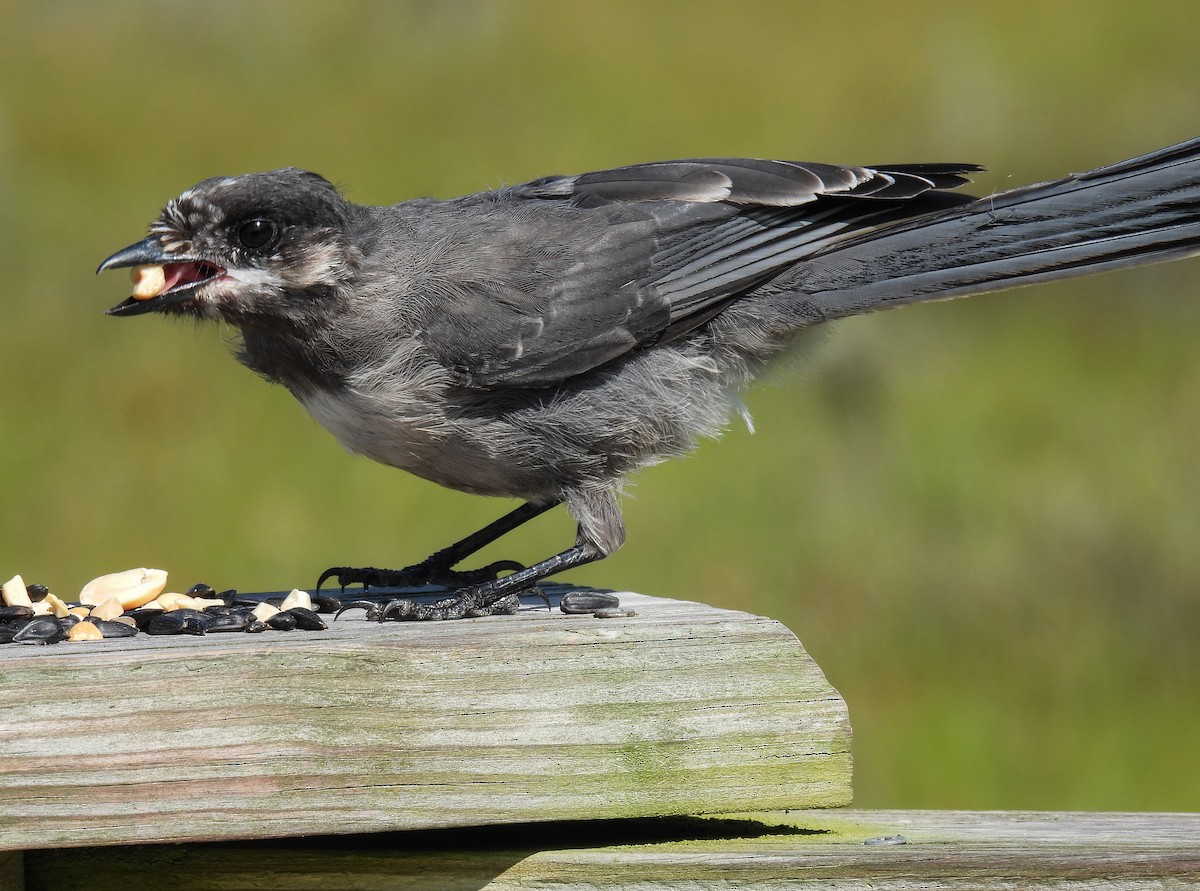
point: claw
(537, 591)
(371, 608)
(331, 572)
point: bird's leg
(496, 597)
(437, 568)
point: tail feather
(1138, 211)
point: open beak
(160, 280)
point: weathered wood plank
(535, 717)
(943, 850)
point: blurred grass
(981, 517)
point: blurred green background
(982, 518)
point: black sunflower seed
(306, 619)
(42, 630)
(180, 621)
(587, 601)
(235, 620)
(282, 621)
(114, 629)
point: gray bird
(543, 341)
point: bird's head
(264, 246)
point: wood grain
(540, 716)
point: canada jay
(543, 341)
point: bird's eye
(257, 233)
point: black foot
(467, 603)
(427, 573)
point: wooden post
(541, 716)
(539, 750)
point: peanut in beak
(148, 281)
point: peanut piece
(296, 598)
(173, 600)
(131, 588)
(264, 611)
(109, 609)
(148, 281)
(14, 593)
(56, 605)
(84, 631)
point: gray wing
(603, 263)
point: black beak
(148, 252)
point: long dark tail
(1138, 211)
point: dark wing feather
(643, 254)
(747, 181)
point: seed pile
(127, 603)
